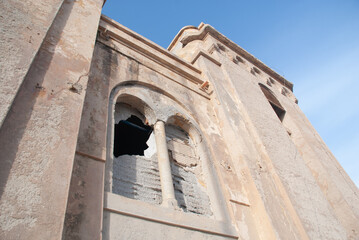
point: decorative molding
(106, 22)
(90, 156)
(179, 34)
(133, 208)
(208, 29)
(113, 44)
(112, 33)
(204, 54)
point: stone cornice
(112, 29)
(179, 34)
(205, 29)
(206, 55)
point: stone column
(168, 195)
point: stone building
(106, 135)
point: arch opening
(133, 169)
(187, 173)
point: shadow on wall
(16, 121)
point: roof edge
(178, 35)
(205, 29)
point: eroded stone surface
(238, 170)
(137, 177)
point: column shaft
(168, 195)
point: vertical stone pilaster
(38, 137)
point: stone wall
(137, 177)
(187, 173)
(221, 163)
(43, 81)
(24, 26)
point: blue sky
(314, 44)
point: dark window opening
(237, 59)
(280, 112)
(277, 107)
(131, 136)
(256, 70)
(221, 47)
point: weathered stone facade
(106, 135)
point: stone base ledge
(121, 205)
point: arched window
(135, 169)
(186, 171)
(273, 101)
(158, 169)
